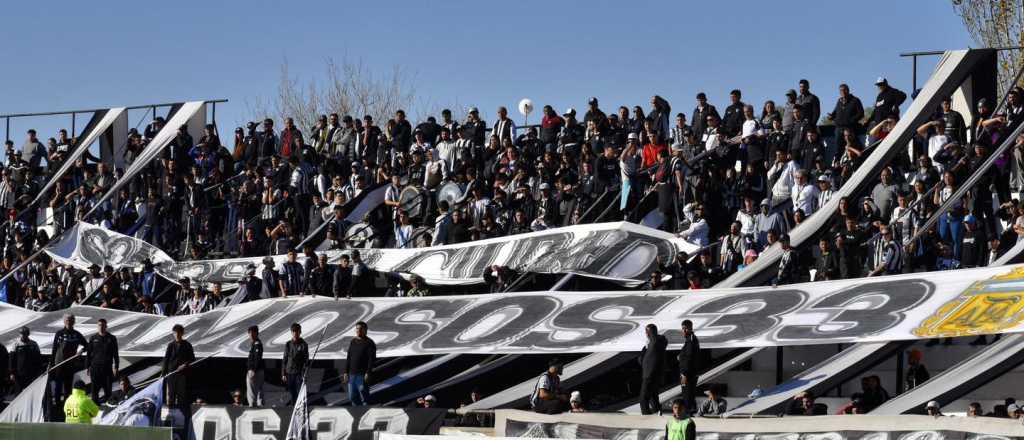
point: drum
(411, 201)
(450, 192)
(359, 236)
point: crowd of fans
(733, 182)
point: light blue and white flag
(142, 409)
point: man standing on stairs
(689, 366)
(652, 365)
(362, 354)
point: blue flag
(142, 409)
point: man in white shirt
(698, 231)
(446, 149)
(805, 195)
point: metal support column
(778, 365)
(899, 372)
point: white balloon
(525, 106)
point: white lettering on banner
(245, 423)
(330, 424)
(218, 417)
(903, 307)
(395, 420)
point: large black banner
(350, 423)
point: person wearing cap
(79, 408)
(26, 360)
(595, 115)
(973, 244)
(429, 401)
(343, 140)
(787, 110)
(825, 191)
(178, 357)
(789, 263)
(917, 374)
(809, 101)
(700, 115)
(547, 397)
(887, 103)
(576, 404)
(573, 133)
(933, 409)
(475, 129)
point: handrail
(973, 179)
(592, 206)
(616, 199)
(68, 112)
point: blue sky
(102, 54)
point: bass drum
(450, 192)
(360, 236)
(411, 201)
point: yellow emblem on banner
(986, 307)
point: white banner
(624, 252)
(512, 423)
(904, 307)
(27, 406)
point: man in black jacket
(67, 343)
(810, 102)
(846, 115)
(26, 361)
(887, 103)
(254, 369)
(732, 121)
(178, 356)
(652, 366)
(296, 355)
(103, 360)
(362, 353)
(700, 115)
(690, 365)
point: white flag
(27, 406)
(142, 409)
(298, 428)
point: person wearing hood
(79, 408)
